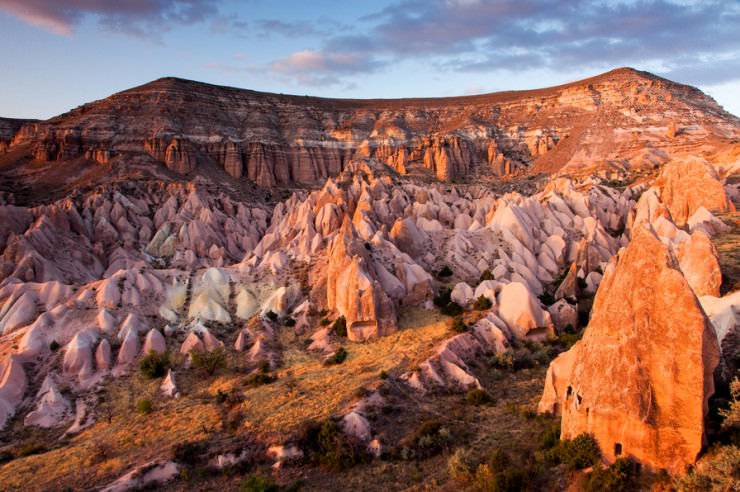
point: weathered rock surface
(278, 139)
(640, 379)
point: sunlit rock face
(640, 378)
(690, 183)
(274, 139)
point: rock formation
(277, 139)
(659, 351)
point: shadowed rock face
(277, 139)
(659, 351)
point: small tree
(211, 361)
(482, 303)
(155, 365)
(145, 406)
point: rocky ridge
(619, 120)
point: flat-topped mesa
(278, 139)
(640, 379)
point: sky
(59, 54)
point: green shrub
(258, 483)
(290, 322)
(368, 246)
(211, 361)
(324, 322)
(458, 325)
(329, 446)
(272, 316)
(145, 406)
(619, 477)
(429, 439)
(504, 360)
(340, 327)
(383, 374)
(155, 365)
(338, 357)
(719, 472)
(446, 271)
(6, 456)
(452, 309)
(482, 303)
(550, 437)
(581, 452)
(54, 346)
(479, 397)
(486, 275)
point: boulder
(685, 185)
(523, 313)
(699, 265)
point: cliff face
(277, 139)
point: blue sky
(59, 54)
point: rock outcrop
(641, 377)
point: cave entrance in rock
(618, 449)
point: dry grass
(105, 451)
(315, 391)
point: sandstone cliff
(658, 350)
(278, 139)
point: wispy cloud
(137, 17)
(505, 35)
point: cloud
(517, 35)
(312, 67)
(135, 17)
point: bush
(145, 406)
(504, 360)
(272, 316)
(479, 397)
(458, 325)
(190, 452)
(429, 439)
(486, 275)
(337, 358)
(581, 452)
(155, 365)
(258, 483)
(452, 309)
(290, 322)
(211, 361)
(459, 465)
(717, 473)
(546, 299)
(383, 374)
(324, 322)
(54, 346)
(445, 272)
(443, 298)
(482, 303)
(368, 246)
(259, 379)
(617, 478)
(340, 327)
(329, 446)
(550, 437)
